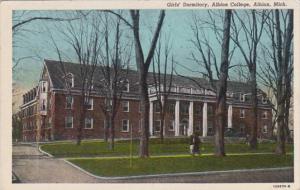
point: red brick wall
(57, 112)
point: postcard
(149, 94)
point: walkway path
(31, 166)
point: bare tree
(143, 68)
(208, 59)
(84, 38)
(162, 81)
(247, 30)
(113, 68)
(277, 72)
(22, 18)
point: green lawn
(122, 148)
(178, 164)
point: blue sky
(34, 41)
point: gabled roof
(57, 76)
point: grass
(179, 164)
(169, 147)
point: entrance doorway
(183, 127)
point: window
(125, 106)
(89, 103)
(171, 108)
(140, 107)
(125, 86)
(69, 80)
(242, 97)
(125, 125)
(50, 122)
(265, 115)
(69, 102)
(198, 126)
(210, 109)
(242, 128)
(264, 100)
(88, 123)
(43, 106)
(197, 110)
(242, 113)
(108, 104)
(69, 122)
(172, 125)
(140, 125)
(44, 86)
(265, 129)
(89, 84)
(184, 109)
(157, 125)
(210, 129)
(156, 107)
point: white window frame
(66, 122)
(70, 76)
(242, 97)
(127, 85)
(92, 103)
(44, 106)
(242, 113)
(92, 123)
(123, 106)
(71, 102)
(44, 86)
(155, 125)
(173, 125)
(128, 125)
(264, 100)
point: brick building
(50, 112)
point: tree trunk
(283, 53)
(162, 119)
(81, 120)
(286, 119)
(144, 152)
(222, 89)
(253, 134)
(112, 133)
(287, 108)
(106, 126)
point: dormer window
(89, 103)
(89, 84)
(69, 79)
(125, 86)
(242, 97)
(264, 100)
(44, 86)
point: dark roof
(57, 76)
